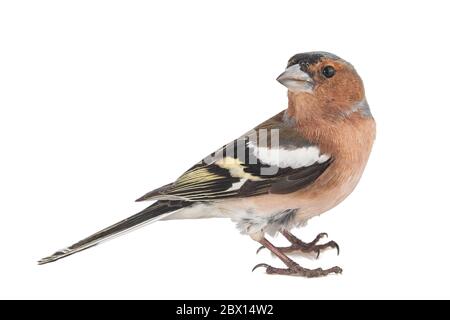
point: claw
(336, 270)
(337, 248)
(322, 235)
(331, 244)
(259, 249)
(260, 265)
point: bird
(294, 166)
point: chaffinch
(296, 165)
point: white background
(102, 101)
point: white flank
(295, 158)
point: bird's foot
(293, 268)
(315, 249)
(298, 245)
(296, 241)
(296, 270)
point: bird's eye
(328, 71)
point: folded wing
(272, 158)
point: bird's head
(322, 84)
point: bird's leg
(293, 269)
(299, 245)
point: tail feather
(155, 212)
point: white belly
(248, 221)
